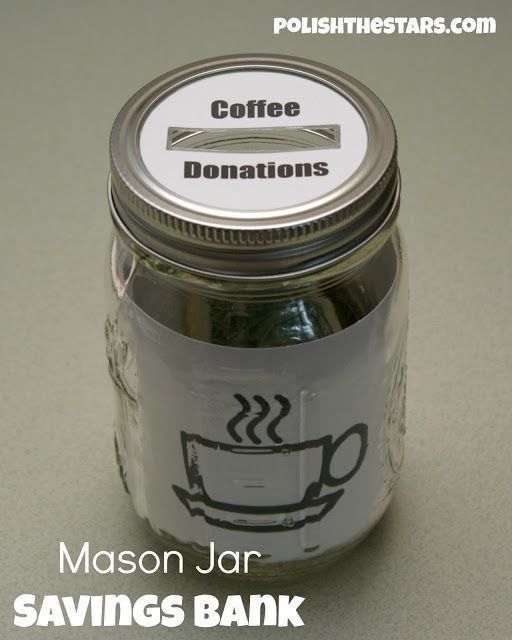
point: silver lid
(253, 166)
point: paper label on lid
(253, 142)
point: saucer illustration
(264, 488)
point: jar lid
(253, 166)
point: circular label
(253, 142)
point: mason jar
(257, 322)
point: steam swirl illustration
(261, 414)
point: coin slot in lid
(254, 139)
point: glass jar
(257, 320)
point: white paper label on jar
(290, 451)
(252, 142)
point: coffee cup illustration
(266, 488)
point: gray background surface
(440, 563)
